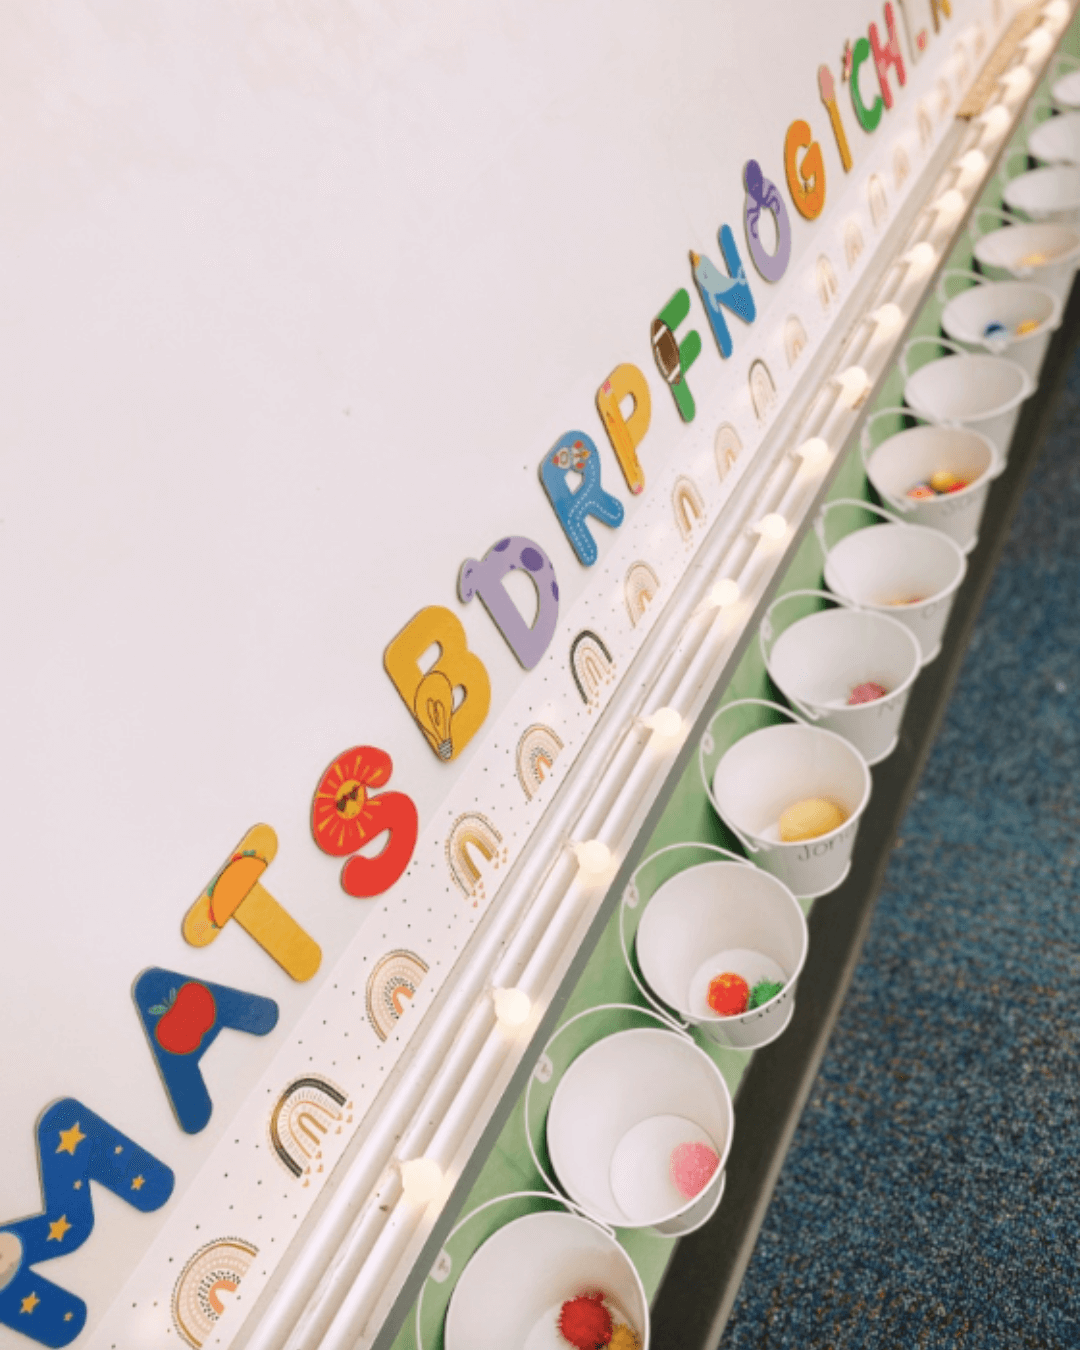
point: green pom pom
(763, 991)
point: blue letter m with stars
(75, 1147)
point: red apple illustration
(185, 1020)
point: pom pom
(942, 481)
(729, 994)
(763, 991)
(1027, 326)
(921, 492)
(624, 1338)
(1036, 259)
(958, 486)
(866, 693)
(585, 1322)
(692, 1168)
(810, 818)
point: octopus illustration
(764, 195)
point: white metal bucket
(1051, 193)
(1065, 91)
(722, 916)
(763, 773)
(970, 317)
(512, 1290)
(914, 455)
(819, 659)
(1057, 140)
(1047, 252)
(908, 571)
(620, 1110)
(977, 391)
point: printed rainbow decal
(391, 985)
(828, 288)
(216, 1269)
(944, 94)
(922, 121)
(879, 203)
(762, 389)
(475, 830)
(795, 338)
(591, 665)
(537, 751)
(727, 446)
(688, 504)
(306, 1110)
(853, 243)
(640, 586)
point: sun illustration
(343, 816)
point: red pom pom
(585, 1322)
(729, 994)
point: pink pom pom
(866, 693)
(692, 1168)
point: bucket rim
(804, 952)
(1048, 325)
(597, 1047)
(981, 484)
(870, 613)
(783, 845)
(890, 610)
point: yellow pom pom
(810, 818)
(624, 1338)
(1036, 259)
(1026, 326)
(942, 481)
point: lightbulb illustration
(433, 705)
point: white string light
(512, 1007)
(888, 319)
(421, 1180)
(995, 122)
(666, 725)
(814, 451)
(773, 526)
(1037, 43)
(594, 857)
(724, 592)
(1016, 83)
(854, 386)
(949, 207)
(920, 259)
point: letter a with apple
(182, 1018)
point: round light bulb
(950, 205)
(888, 319)
(814, 451)
(772, 526)
(724, 592)
(594, 857)
(421, 1180)
(1057, 11)
(854, 386)
(920, 259)
(665, 724)
(972, 166)
(512, 1006)
(1016, 83)
(995, 122)
(1038, 42)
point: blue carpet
(931, 1197)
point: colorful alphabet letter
(576, 453)
(485, 579)
(886, 55)
(719, 292)
(237, 893)
(763, 195)
(868, 117)
(674, 358)
(75, 1147)
(805, 180)
(626, 433)
(827, 88)
(182, 1019)
(449, 723)
(345, 816)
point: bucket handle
(767, 638)
(997, 212)
(707, 746)
(666, 1021)
(631, 899)
(945, 342)
(822, 516)
(951, 272)
(496, 1200)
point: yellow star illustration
(68, 1317)
(29, 1303)
(58, 1230)
(70, 1139)
(138, 1183)
(78, 1185)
